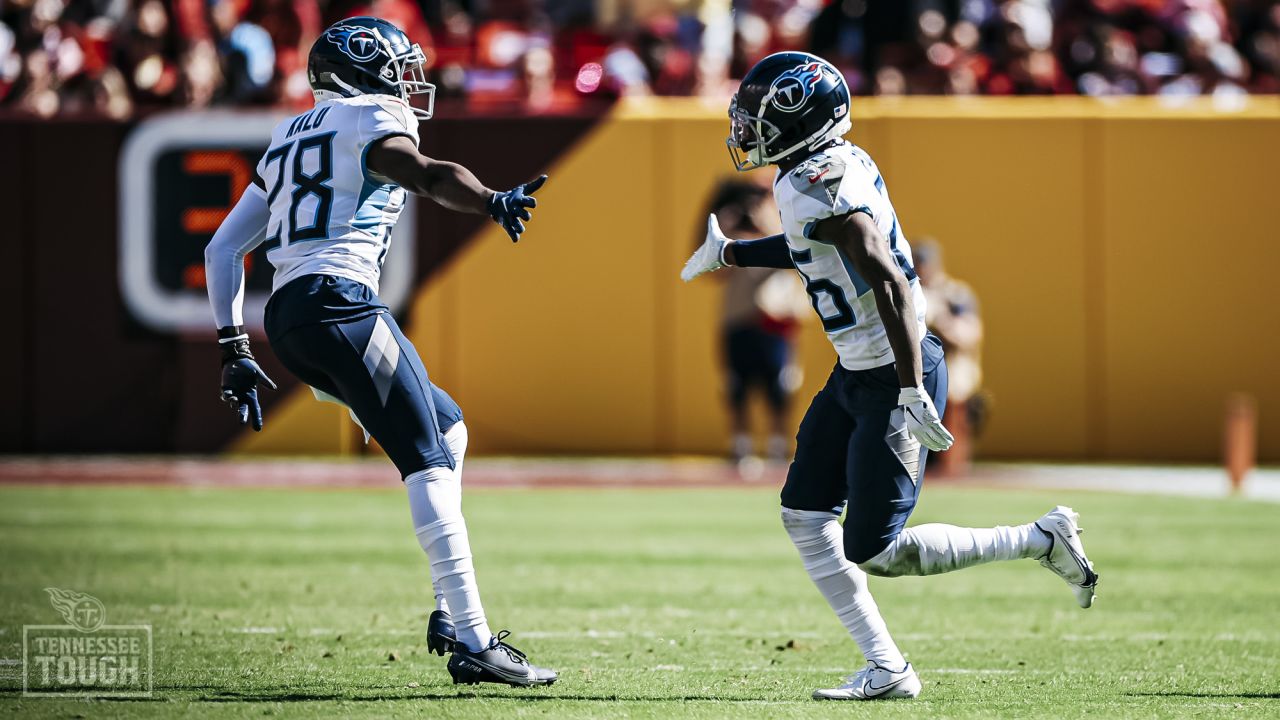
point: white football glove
(706, 258)
(922, 419)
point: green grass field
(651, 603)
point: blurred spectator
(953, 315)
(112, 56)
(759, 312)
(249, 54)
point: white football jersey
(838, 181)
(329, 213)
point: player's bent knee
(872, 552)
(858, 549)
(871, 567)
(895, 560)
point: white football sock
(435, 501)
(820, 540)
(456, 439)
(935, 548)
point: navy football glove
(240, 378)
(510, 208)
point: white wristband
(906, 396)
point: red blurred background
(119, 57)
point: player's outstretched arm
(244, 229)
(452, 185)
(861, 241)
(717, 251)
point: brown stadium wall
(1124, 255)
(83, 375)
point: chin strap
(828, 132)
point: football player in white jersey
(861, 447)
(324, 200)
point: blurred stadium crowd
(114, 57)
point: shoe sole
(1085, 591)
(464, 676)
(893, 696)
(902, 690)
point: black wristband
(231, 332)
(234, 342)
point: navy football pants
(371, 366)
(847, 453)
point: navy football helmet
(790, 103)
(369, 56)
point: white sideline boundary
(1182, 481)
(603, 473)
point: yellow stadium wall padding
(1122, 253)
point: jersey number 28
(291, 156)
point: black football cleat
(499, 663)
(441, 636)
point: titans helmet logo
(794, 86)
(359, 44)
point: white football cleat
(874, 683)
(1066, 557)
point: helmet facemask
(410, 72)
(749, 138)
